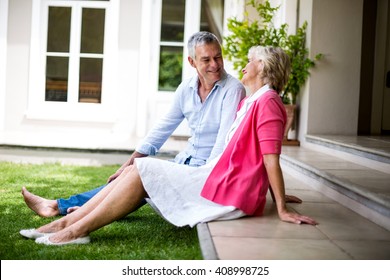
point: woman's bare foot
(42, 206)
(53, 227)
(63, 236)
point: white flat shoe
(45, 240)
(32, 233)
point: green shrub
(246, 33)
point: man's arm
(158, 135)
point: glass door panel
(171, 44)
(56, 79)
(57, 59)
(58, 34)
(172, 20)
(91, 51)
(92, 31)
(171, 65)
(90, 82)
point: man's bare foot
(42, 206)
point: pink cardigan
(239, 178)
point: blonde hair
(276, 65)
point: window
(85, 55)
(71, 52)
(170, 23)
(171, 45)
(174, 25)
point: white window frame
(72, 110)
(150, 41)
(150, 48)
(191, 25)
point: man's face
(208, 62)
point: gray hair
(200, 38)
(276, 65)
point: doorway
(374, 101)
(386, 86)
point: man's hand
(115, 175)
(129, 162)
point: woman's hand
(292, 199)
(295, 218)
(275, 177)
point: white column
(233, 8)
(3, 59)
(151, 13)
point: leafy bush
(245, 34)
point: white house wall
(3, 59)
(21, 129)
(18, 41)
(330, 101)
(129, 89)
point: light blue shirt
(209, 121)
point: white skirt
(174, 192)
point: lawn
(142, 235)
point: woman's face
(251, 72)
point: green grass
(142, 235)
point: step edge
(353, 191)
(359, 151)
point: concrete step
(356, 177)
(371, 148)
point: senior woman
(235, 184)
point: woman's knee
(130, 170)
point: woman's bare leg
(120, 201)
(82, 211)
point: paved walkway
(63, 156)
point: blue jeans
(76, 200)
(80, 199)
